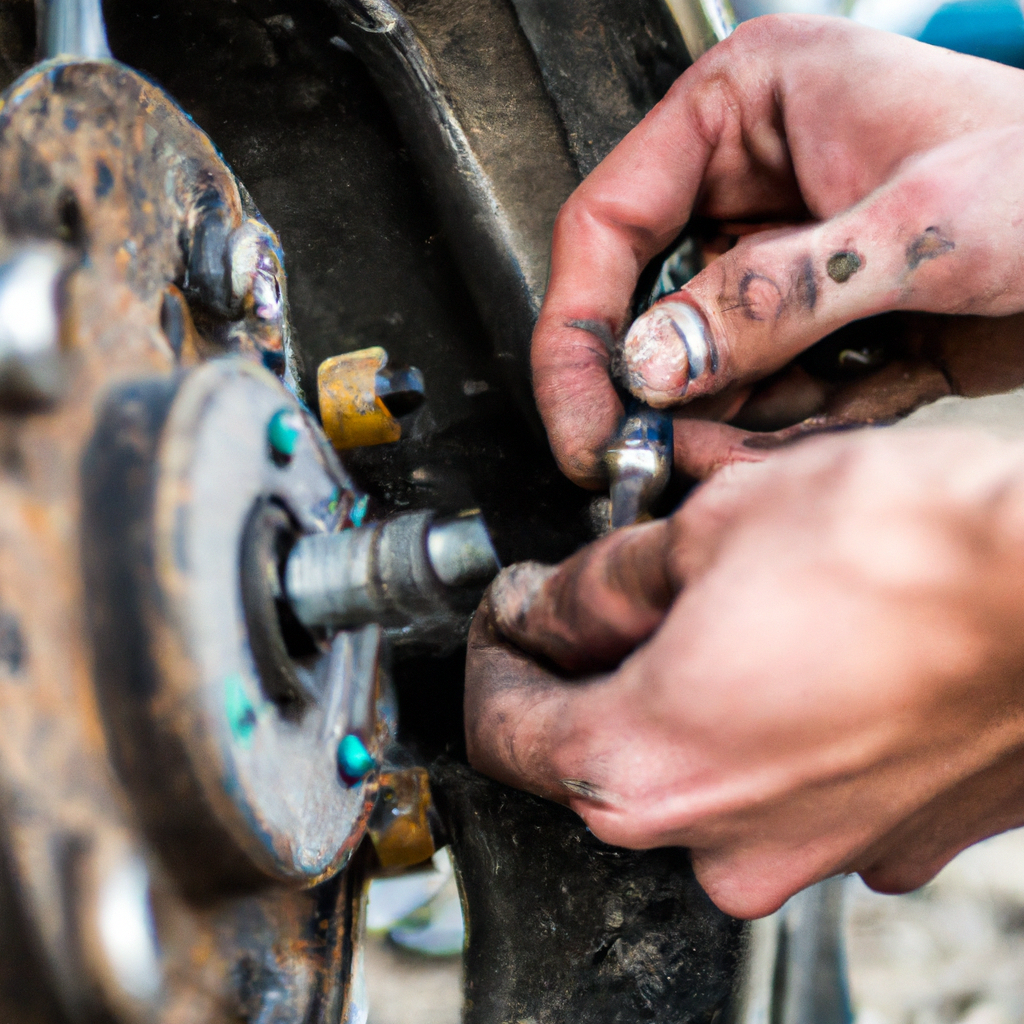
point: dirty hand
(900, 164)
(827, 668)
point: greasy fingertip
(583, 463)
(744, 885)
(669, 354)
(514, 592)
(511, 711)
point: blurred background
(951, 953)
(993, 29)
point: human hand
(827, 668)
(899, 164)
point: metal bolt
(461, 551)
(639, 462)
(31, 365)
(72, 28)
(283, 433)
(360, 396)
(403, 570)
(401, 389)
(127, 931)
(702, 23)
(355, 762)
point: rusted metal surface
(228, 752)
(97, 160)
(404, 823)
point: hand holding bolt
(394, 572)
(639, 463)
(871, 209)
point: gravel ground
(951, 953)
(406, 988)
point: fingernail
(514, 591)
(580, 787)
(666, 350)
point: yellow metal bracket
(400, 826)
(353, 414)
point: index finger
(628, 210)
(731, 139)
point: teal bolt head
(283, 433)
(355, 762)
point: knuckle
(757, 32)
(576, 460)
(901, 875)
(769, 32)
(756, 38)
(574, 215)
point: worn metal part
(400, 388)
(639, 463)
(461, 551)
(89, 143)
(240, 715)
(702, 22)
(71, 28)
(98, 166)
(360, 395)
(562, 927)
(408, 572)
(404, 825)
(32, 359)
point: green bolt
(283, 433)
(355, 762)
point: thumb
(937, 237)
